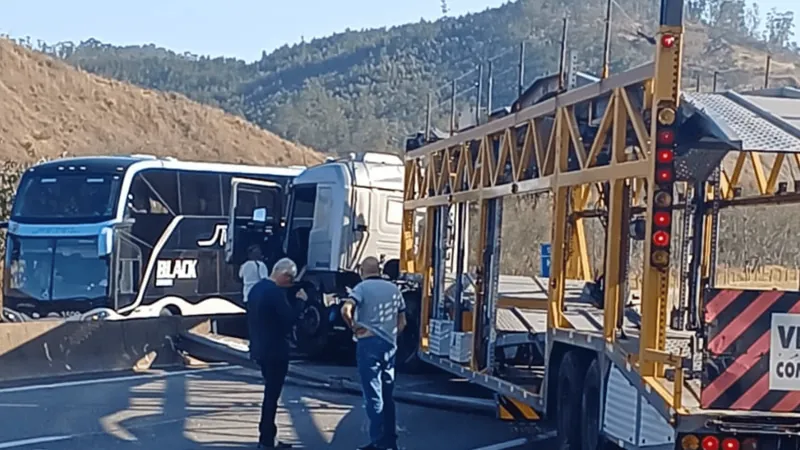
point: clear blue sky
(239, 28)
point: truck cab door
(255, 213)
(321, 238)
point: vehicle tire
(407, 359)
(166, 312)
(591, 436)
(568, 404)
(311, 330)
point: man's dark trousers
(274, 371)
(375, 359)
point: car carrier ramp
(759, 121)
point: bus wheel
(590, 405)
(568, 405)
(169, 311)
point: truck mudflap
(751, 351)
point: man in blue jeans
(375, 312)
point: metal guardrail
(208, 349)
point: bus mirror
(260, 215)
(105, 242)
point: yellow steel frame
(767, 174)
(443, 173)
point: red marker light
(666, 137)
(730, 444)
(664, 176)
(662, 219)
(664, 155)
(710, 443)
(661, 239)
(668, 41)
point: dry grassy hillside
(49, 108)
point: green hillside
(366, 89)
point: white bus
(136, 236)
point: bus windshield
(47, 269)
(70, 197)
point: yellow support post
(666, 92)
(427, 277)
(477, 324)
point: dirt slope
(48, 108)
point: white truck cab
(344, 210)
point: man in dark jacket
(270, 318)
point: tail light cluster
(711, 442)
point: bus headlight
(100, 315)
(9, 316)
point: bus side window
(200, 194)
(154, 191)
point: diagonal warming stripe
(740, 367)
(740, 324)
(722, 300)
(788, 403)
(735, 371)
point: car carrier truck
(693, 365)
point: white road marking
(113, 379)
(519, 442)
(505, 445)
(18, 405)
(32, 441)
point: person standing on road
(376, 313)
(270, 318)
(252, 271)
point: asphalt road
(215, 409)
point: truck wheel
(590, 405)
(568, 404)
(311, 330)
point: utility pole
(563, 59)
(766, 71)
(607, 41)
(478, 96)
(428, 113)
(453, 109)
(490, 89)
(521, 78)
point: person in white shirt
(253, 270)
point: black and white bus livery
(136, 236)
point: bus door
(254, 218)
(127, 265)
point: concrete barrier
(52, 349)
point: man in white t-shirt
(253, 270)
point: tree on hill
(360, 90)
